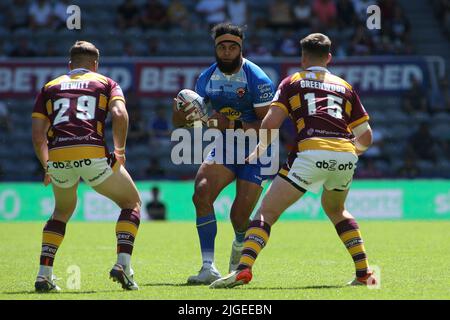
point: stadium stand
(124, 33)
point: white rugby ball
(193, 105)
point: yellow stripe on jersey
(76, 153)
(89, 76)
(358, 122)
(294, 101)
(39, 115)
(49, 107)
(348, 108)
(99, 128)
(331, 144)
(331, 78)
(295, 77)
(50, 133)
(300, 124)
(57, 81)
(102, 102)
(280, 105)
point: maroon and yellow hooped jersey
(324, 107)
(76, 104)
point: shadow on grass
(58, 293)
(246, 287)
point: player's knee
(201, 196)
(333, 209)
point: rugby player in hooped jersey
(239, 93)
(333, 130)
(68, 138)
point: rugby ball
(193, 104)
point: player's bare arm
(260, 114)
(39, 128)
(273, 120)
(119, 116)
(363, 137)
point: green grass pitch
(303, 260)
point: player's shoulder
(56, 81)
(206, 74)
(332, 78)
(253, 70)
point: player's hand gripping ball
(192, 104)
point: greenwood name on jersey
(324, 107)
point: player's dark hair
(226, 27)
(316, 44)
(82, 49)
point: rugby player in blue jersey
(239, 93)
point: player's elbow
(119, 113)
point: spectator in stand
(326, 12)
(179, 15)
(288, 45)
(129, 50)
(18, 15)
(212, 11)
(415, 99)
(257, 49)
(127, 15)
(41, 15)
(346, 15)
(153, 47)
(50, 49)
(137, 133)
(361, 8)
(388, 8)
(361, 43)
(23, 49)
(156, 210)
(154, 15)
(60, 14)
(154, 170)
(302, 14)
(440, 99)
(280, 15)
(238, 13)
(369, 170)
(410, 169)
(5, 121)
(399, 27)
(422, 144)
(159, 128)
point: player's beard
(228, 67)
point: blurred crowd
(274, 26)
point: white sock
(45, 271)
(124, 259)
